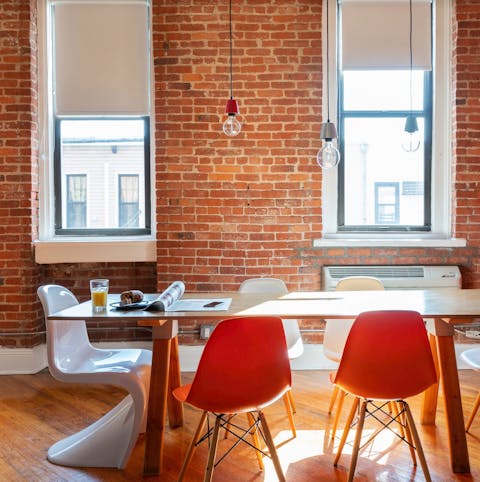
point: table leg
(157, 406)
(175, 408)
(453, 405)
(430, 396)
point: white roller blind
(101, 58)
(375, 34)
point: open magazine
(170, 300)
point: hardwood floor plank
(36, 411)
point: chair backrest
(278, 287)
(67, 341)
(336, 331)
(359, 283)
(387, 356)
(244, 366)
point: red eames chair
(244, 368)
(277, 287)
(387, 358)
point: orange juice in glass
(99, 292)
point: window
(372, 110)
(371, 70)
(128, 205)
(377, 91)
(99, 117)
(76, 200)
(386, 203)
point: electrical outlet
(473, 334)
(206, 331)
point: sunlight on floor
(315, 443)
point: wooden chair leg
(476, 405)
(228, 424)
(271, 447)
(407, 433)
(213, 451)
(289, 410)
(292, 401)
(255, 439)
(418, 444)
(341, 399)
(191, 448)
(356, 444)
(346, 430)
(333, 398)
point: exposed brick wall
(227, 209)
(233, 208)
(18, 172)
(466, 81)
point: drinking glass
(99, 292)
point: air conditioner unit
(397, 277)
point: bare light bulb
(232, 126)
(328, 156)
(410, 141)
(411, 137)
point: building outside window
(76, 200)
(128, 196)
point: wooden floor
(36, 411)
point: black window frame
(426, 114)
(57, 179)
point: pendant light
(328, 156)
(411, 136)
(232, 126)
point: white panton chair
(472, 358)
(109, 441)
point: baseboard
(17, 361)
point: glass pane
(102, 150)
(382, 90)
(373, 155)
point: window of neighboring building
(99, 114)
(76, 200)
(128, 205)
(387, 207)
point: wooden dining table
(442, 308)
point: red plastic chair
(243, 369)
(387, 357)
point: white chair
(336, 333)
(109, 441)
(472, 358)
(293, 337)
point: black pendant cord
(411, 54)
(231, 52)
(328, 66)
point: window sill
(98, 251)
(397, 241)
